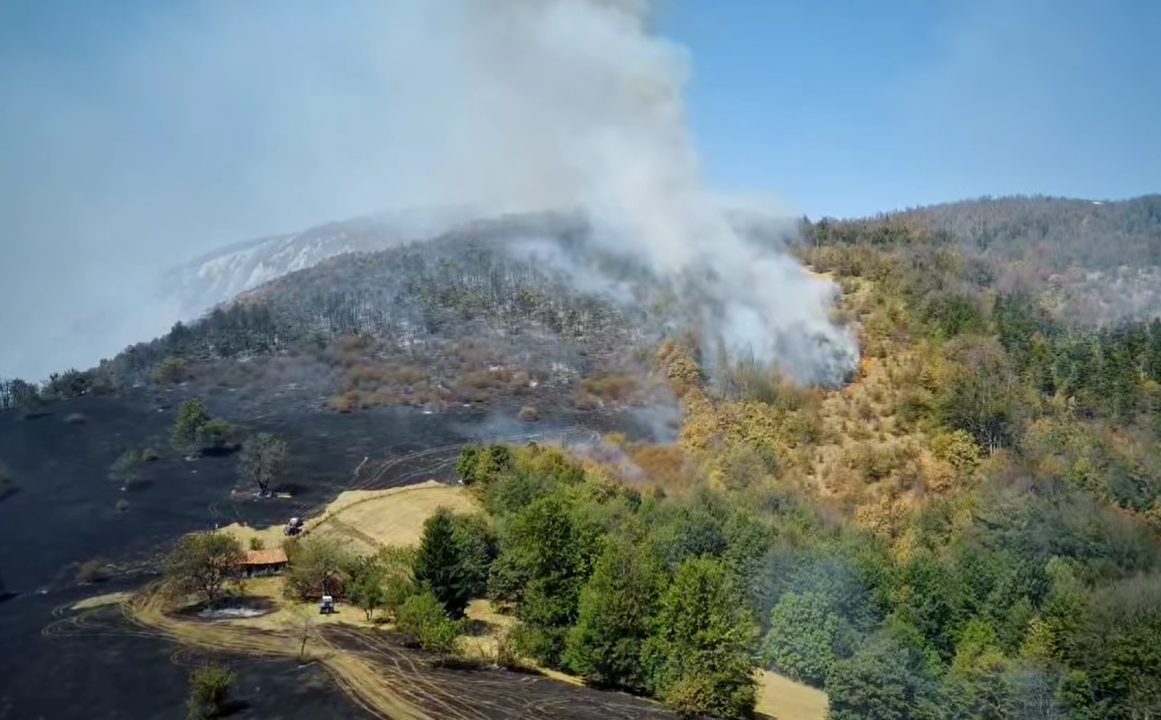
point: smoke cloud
(224, 120)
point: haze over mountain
(505, 107)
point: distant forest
(1092, 262)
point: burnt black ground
(485, 693)
(64, 513)
(57, 664)
(97, 665)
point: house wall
(264, 570)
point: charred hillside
(518, 305)
(515, 305)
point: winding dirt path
(373, 669)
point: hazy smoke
(587, 107)
(206, 123)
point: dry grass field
(781, 698)
(370, 519)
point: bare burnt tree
(262, 459)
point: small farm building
(264, 562)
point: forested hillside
(1099, 261)
(968, 529)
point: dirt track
(378, 675)
(393, 682)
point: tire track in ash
(105, 621)
(405, 673)
(378, 674)
(451, 452)
(148, 611)
(487, 694)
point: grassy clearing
(783, 699)
(392, 517)
(371, 518)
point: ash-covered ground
(95, 664)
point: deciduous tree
(805, 639)
(204, 564)
(209, 687)
(190, 419)
(422, 616)
(317, 566)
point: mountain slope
(214, 278)
(1091, 262)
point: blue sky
(135, 134)
(840, 107)
(848, 108)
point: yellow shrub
(958, 449)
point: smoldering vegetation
(496, 107)
(529, 308)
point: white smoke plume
(596, 104)
(220, 120)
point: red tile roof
(264, 557)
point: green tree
(422, 616)
(951, 314)
(979, 679)
(398, 576)
(981, 395)
(702, 643)
(1018, 319)
(262, 459)
(929, 597)
(546, 556)
(318, 566)
(441, 564)
(617, 606)
(215, 436)
(126, 468)
(1117, 645)
(478, 547)
(467, 468)
(1060, 613)
(805, 639)
(171, 371)
(190, 419)
(366, 589)
(883, 681)
(1152, 352)
(481, 465)
(209, 687)
(203, 564)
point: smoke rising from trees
(225, 121)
